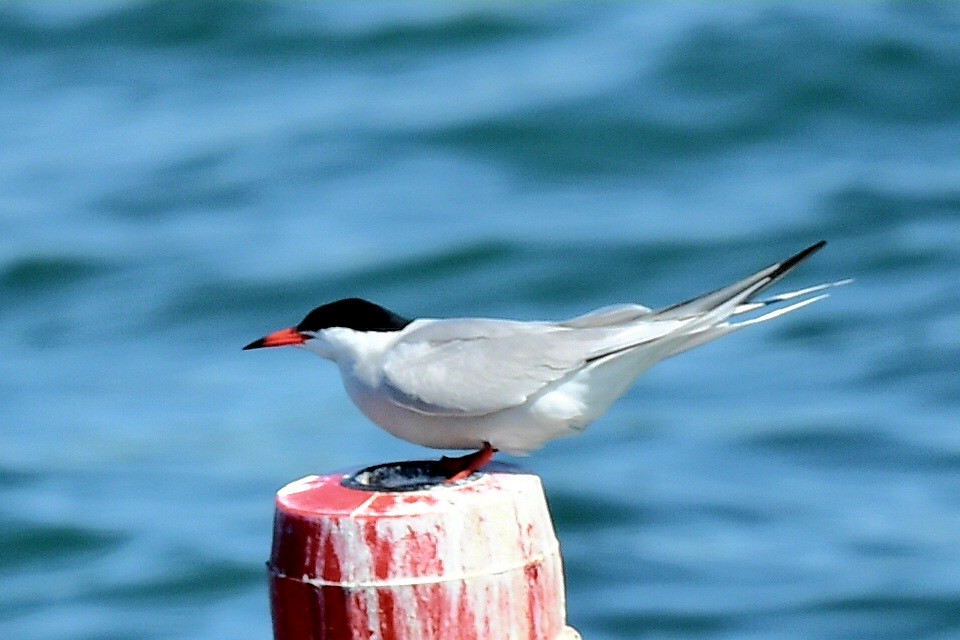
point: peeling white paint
(303, 484)
(473, 561)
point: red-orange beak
(278, 339)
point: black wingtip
(809, 251)
(793, 261)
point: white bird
(489, 384)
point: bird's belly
(518, 430)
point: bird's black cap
(352, 313)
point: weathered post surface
(363, 557)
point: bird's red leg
(457, 469)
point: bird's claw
(460, 468)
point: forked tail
(707, 317)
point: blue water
(177, 179)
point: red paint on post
(474, 561)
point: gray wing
(613, 315)
(475, 367)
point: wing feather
(476, 367)
(617, 314)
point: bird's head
(324, 329)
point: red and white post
(477, 560)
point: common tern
(490, 384)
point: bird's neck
(358, 353)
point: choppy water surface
(177, 179)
